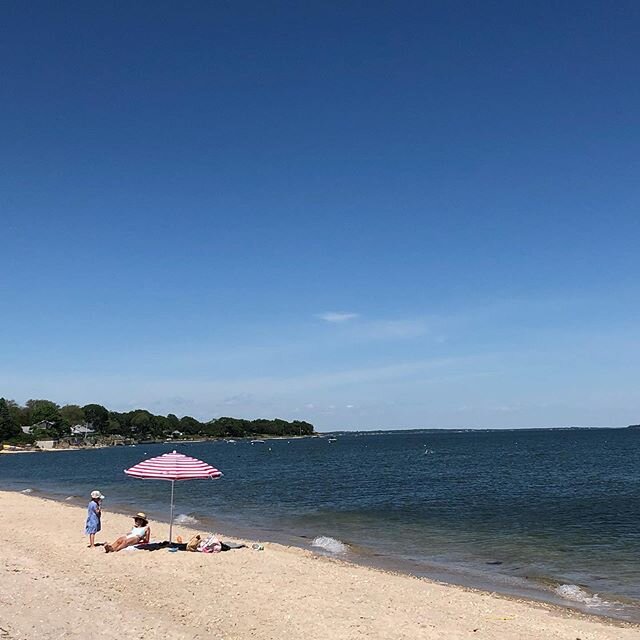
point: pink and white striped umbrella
(173, 466)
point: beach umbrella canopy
(173, 466)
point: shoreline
(534, 592)
(297, 571)
(153, 442)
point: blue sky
(366, 215)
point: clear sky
(361, 214)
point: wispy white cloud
(213, 390)
(337, 316)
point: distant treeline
(50, 420)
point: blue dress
(93, 518)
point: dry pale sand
(53, 586)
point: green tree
(114, 428)
(301, 428)
(43, 410)
(213, 430)
(20, 414)
(234, 427)
(141, 422)
(97, 416)
(8, 426)
(190, 426)
(72, 414)
(55, 422)
(160, 427)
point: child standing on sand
(93, 517)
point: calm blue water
(549, 514)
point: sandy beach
(53, 586)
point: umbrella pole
(171, 521)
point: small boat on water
(257, 442)
(332, 440)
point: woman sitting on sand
(139, 534)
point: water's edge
(537, 592)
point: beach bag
(192, 545)
(210, 545)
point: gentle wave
(183, 518)
(329, 544)
(27, 491)
(574, 593)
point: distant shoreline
(315, 434)
(471, 429)
(25, 449)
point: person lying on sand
(139, 534)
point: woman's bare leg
(121, 543)
(117, 545)
(92, 539)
